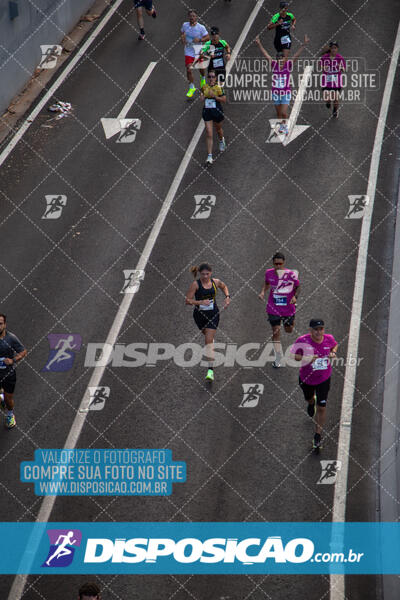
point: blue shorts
(281, 97)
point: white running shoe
(222, 145)
(209, 160)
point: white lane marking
(337, 587)
(113, 125)
(60, 79)
(296, 130)
(18, 585)
(136, 91)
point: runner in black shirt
(202, 294)
(11, 352)
(282, 22)
(219, 52)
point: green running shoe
(210, 375)
(191, 92)
(10, 421)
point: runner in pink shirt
(281, 73)
(333, 65)
(284, 286)
(315, 350)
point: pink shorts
(189, 60)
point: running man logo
(54, 206)
(125, 128)
(49, 56)
(133, 277)
(286, 281)
(62, 547)
(62, 351)
(205, 61)
(204, 205)
(251, 394)
(275, 135)
(329, 471)
(98, 397)
(129, 127)
(357, 207)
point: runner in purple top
(284, 286)
(332, 66)
(315, 350)
(281, 74)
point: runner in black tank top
(202, 295)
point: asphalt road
(65, 276)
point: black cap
(316, 323)
(283, 4)
(333, 44)
(214, 30)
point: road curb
(389, 476)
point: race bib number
(218, 62)
(2, 363)
(320, 364)
(210, 103)
(207, 306)
(285, 39)
(331, 78)
(280, 300)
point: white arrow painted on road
(293, 130)
(296, 130)
(126, 128)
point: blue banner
(200, 548)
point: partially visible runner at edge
(151, 11)
(219, 53)
(333, 66)
(315, 349)
(11, 352)
(283, 21)
(213, 114)
(282, 68)
(284, 287)
(202, 294)
(192, 33)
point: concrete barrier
(38, 22)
